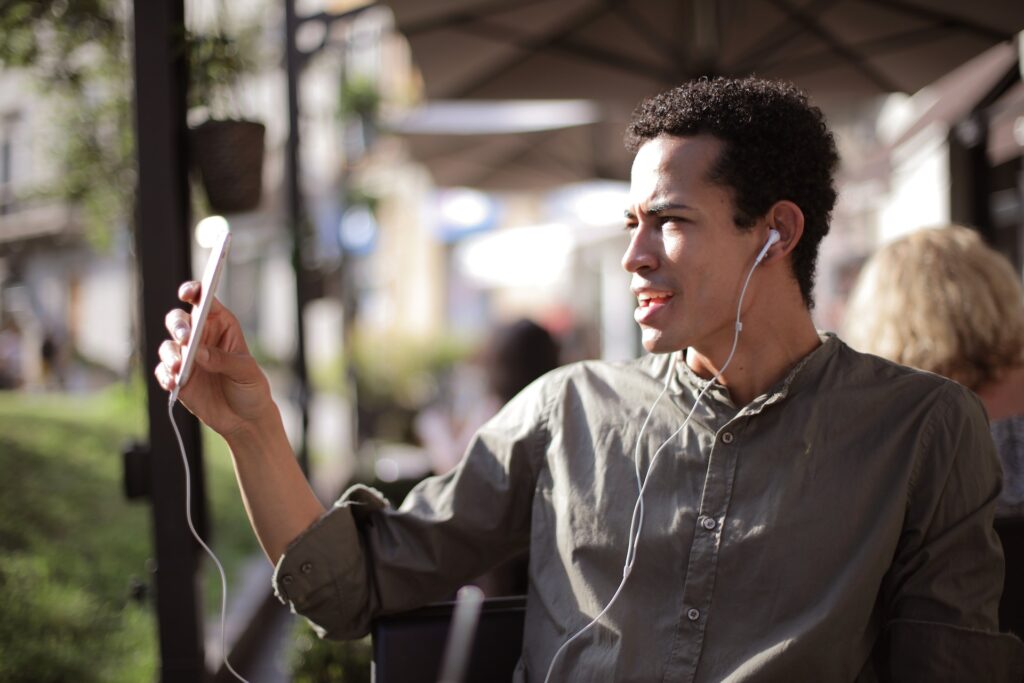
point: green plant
(324, 661)
(74, 553)
(70, 543)
(218, 61)
(403, 370)
(359, 97)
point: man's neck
(767, 350)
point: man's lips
(649, 303)
(648, 299)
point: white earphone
(773, 237)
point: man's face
(687, 257)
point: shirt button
(306, 567)
(727, 437)
(708, 523)
(693, 614)
(287, 579)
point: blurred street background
(402, 179)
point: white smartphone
(212, 231)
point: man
(809, 513)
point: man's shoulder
(876, 391)
(604, 379)
(892, 381)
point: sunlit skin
(688, 261)
(229, 392)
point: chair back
(1011, 606)
(409, 647)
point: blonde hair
(940, 300)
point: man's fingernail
(180, 331)
(203, 355)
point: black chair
(409, 647)
(1011, 607)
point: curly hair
(940, 300)
(776, 146)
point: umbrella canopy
(626, 49)
(513, 145)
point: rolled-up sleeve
(942, 592)
(322, 575)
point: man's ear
(787, 218)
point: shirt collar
(803, 372)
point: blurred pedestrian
(942, 300)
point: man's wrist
(261, 434)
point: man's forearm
(277, 497)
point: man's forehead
(667, 166)
(669, 151)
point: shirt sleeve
(364, 558)
(942, 592)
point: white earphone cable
(637, 519)
(209, 551)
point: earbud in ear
(773, 237)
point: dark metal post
(163, 256)
(296, 221)
(969, 172)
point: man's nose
(640, 254)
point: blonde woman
(943, 301)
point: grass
(72, 547)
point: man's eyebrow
(659, 207)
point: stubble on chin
(654, 341)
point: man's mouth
(651, 305)
(648, 299)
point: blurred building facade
(951, 152)
(399, 257)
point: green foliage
(324, 661)
(403, 370)
(70, 544)
(359, 96)
(98, 154)
(55, 630)
(52, 35)
(394, 380)
(77, 53)
(72, 548)
(217, 61)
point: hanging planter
(226, 149)
(228, 156)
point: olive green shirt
(837, 528)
